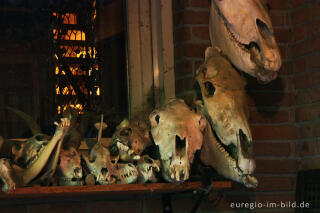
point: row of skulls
(217, 127)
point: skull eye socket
(126, 132)
(210, 89)
(104, 171)
(148, 160)
(39, 137)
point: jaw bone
(213, 154)
(225, 107)
(243, 31)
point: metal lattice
(76, 69)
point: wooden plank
(117, 189)
(134, 58)
(157, 53)
(167, 49)
(146, 57)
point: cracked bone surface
(99, 161)
(177, 131)
(131, 139)
(243, 31)
(223, 94)
(69, 170)
(148, 168)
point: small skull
(69, 169)
(100, 164)
(148, 168)
(125, 173)
(130, 139)
(177, 131)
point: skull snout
(245, 161)
(181, 146)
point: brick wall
(284, 114)
(306, 56)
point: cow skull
(69, 169)
(177, 131)
(148, 168)
(223, 93)
(243, 31)
(131, 139)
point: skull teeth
(122, 147)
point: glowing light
(57, 90)
(98, 91)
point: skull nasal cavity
(104, 171)
(210, 89)
(264, 30)
(180, 143)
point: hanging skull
(243, 31)
(148, 168)
(69, 170)
(6, 175)
(125, 173)
(99, 161)
(223, 93)
(130, 139)
(177, 131)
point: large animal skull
(69, 170)
(223, 93)
(243, 31)
(177, 131)
(131, 139)
(148, 168)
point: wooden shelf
(116, 189)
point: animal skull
(243, 31)
(177, 131)
(147, 168)
(131, 139)
(29, 151)
(69, 170)
(125, 173)
(99, 161)
(223, 93)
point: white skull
(243, 31)
(148, 168)
(177, 131)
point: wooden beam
(116, 189)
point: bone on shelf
(113, 189)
